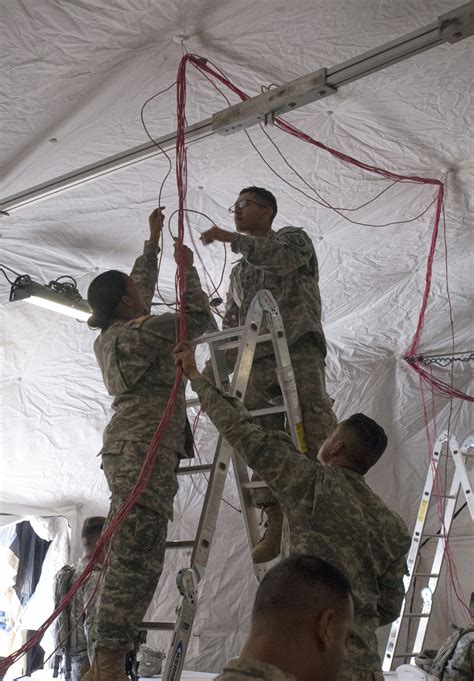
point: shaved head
(301, 585)
(302, 619)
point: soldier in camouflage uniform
(455, 659)
(134, 352)
(301, 620)
(74, 633)
(285, 263)
(331, 511)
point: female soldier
(134, 352)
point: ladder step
(444, 496)
(408, 654)
(268, 410)
(425, 574)
(417, 614)
(186, 544)
(436, 535)
(158, 626)
(194, 402)
(190, 470)
(232, 344)
(256, 484)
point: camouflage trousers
(137, 552)
(316, 405)
(79, 666)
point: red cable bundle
(149, 462)
(443, 388)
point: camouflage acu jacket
(137, 365)
(73, 627)
(332, 513)
(241, 669)
(455, 659)
(285, 263)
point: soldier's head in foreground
(254, 211)
(357, 443)
(301, 619)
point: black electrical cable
(2, 270)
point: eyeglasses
(241, 203)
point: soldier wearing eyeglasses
(284, 262)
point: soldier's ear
(323, 629)
(338, 447)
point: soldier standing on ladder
(134, 354)
(285, 263)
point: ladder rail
(458, 454)
(413, 551)
(263, 307)
(285, 373)
(460, 481)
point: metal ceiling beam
(450, 27)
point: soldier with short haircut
(332, 513)
(301, 621)
(72, 631)
(134, 352)
(285, 263)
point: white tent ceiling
(78, 72)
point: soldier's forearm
(196, 306)
(145, 271)
(194, 297)
(229, 416)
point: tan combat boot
(108, 665)
(268, 547)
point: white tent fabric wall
(79, 73)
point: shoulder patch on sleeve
(295, 236)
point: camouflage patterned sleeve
(290, 249)
(392, 591)
(198, 315)
(145, 271)
(199, 318)
(271, 454)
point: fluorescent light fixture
(76, 312)
(59, 296)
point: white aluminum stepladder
(446, 496)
